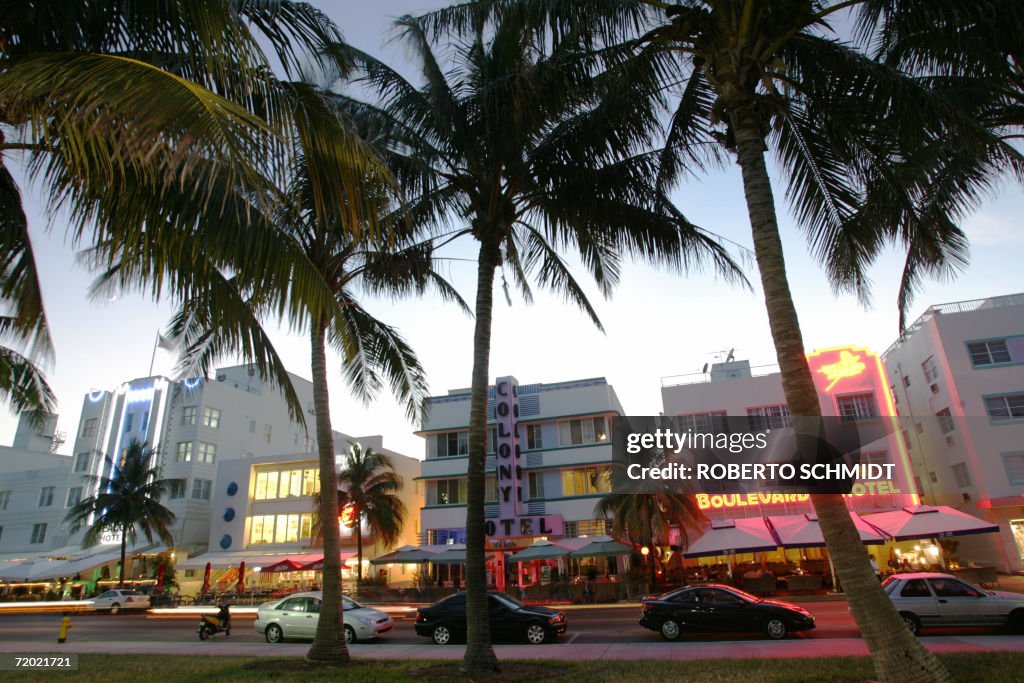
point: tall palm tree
(646, 519)
(369, 484)
(872, 157)
(126, 500)
(145, 121)
(516, 140)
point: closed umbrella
(206, 581)
(158, 588)
(241, 577)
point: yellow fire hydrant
(65, 625)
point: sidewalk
(803, 648)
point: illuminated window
(991, 352)
(588, 527)
(207, 452)
(188, 415)
(585, 481)
(185, 451)
(1005, 408)
(930, 369)
(946, 423)
(38, 533)
(310, 482)
(857, 407)
(584, 431)
(491, 489)
(768, 417)
(446, 492)
(211, 418)
(89, 427)
(533, 438)
(452, 444)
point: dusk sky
(657, 324)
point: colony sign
(511, 520)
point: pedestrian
(874, 566)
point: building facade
(958, 378)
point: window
(492, 440)
(185, 451)
(201, 489)
(933, 477)
(857, 407)
(207, 452)
(252, 426)
(74, 497)
(446, 536)
(46, 497)
(533, 438)
(446, 492)
(267, 432)
(38, 533)
(874, 457)
(5, 498)
(585, 431)
(211, 418)
(144, 422)
(452, 444)
(585, 481)
(536, 485)
(82, 462)
(290, 528)
(930, 369)
(588, 527)
(704, 423)
(490, 488)
(951, 588)
(1, 533)
(962, 476)
(946, 423)
(915, 588)
(768, 417)
(1004, 408)
(1014, 465)
(287, 484)
(128, 422)
(176, 491)
(293, 605)
(188, 415)
(89, 427)
(989, 353)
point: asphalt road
(595, 625)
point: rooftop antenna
(731, 356)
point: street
(589, 625)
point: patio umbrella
(602, 546)
(540, 550)
(241, 577)
(451, 554)
(285, 565)
(206, 581)
(732, 536)
(803, 531)
(407, 554)
(159, 579)
(927, 521)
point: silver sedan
(297, 616)
(926, 599)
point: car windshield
(508, 600)
(348, 603)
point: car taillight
(420, 617)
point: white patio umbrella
(540, 550)
(602, 546)
(803, 531)
(928, 521)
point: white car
(297, 615)
(114, 601)
(927, 599)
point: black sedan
(715, 607)
(445, 621)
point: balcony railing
(955, 307)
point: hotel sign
(512, 520)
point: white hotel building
(958, 375)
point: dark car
(445, 621)
(715, 607)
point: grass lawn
(988, 667)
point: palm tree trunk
(479, 657)
(359, 553)
(896, 653)
(124, 549)
(329, 642)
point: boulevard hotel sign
(512, 518)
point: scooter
(210, 624)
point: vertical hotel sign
(512, 521)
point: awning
(450, 554)
(408, 554)
(602, 546)
(927, 521)
(282, 565)
(804, 531)
(732, 536)
(318, 564)
(540, 550)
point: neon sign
(707, 501)
(348, 516)
(848, 365)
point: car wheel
(115, 608)
(775, 628)
(441, 635)
(912, 622)
(535, 634)
(274, 634)
(670, 629)
(350, 635)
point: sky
(657, 324)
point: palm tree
(368, 484)
(78, 85)
(646, 519)
(514, 139)
(872, 157)
(126, 500)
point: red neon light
(848, 365)
(348, 516)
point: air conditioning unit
(935, 388)
(949, 440)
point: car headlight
(365, 621)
